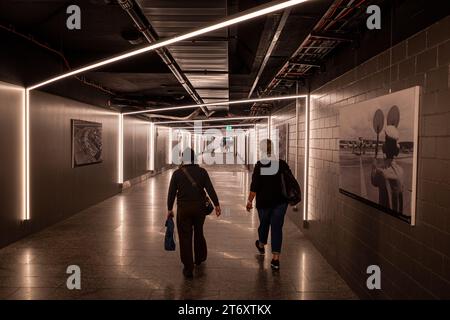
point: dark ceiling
(146, 81)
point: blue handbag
(169, 240)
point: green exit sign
(229, 128)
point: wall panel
(11, 172)
(58, 190)
(136, 147)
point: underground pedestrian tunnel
(98, 102)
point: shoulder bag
(290, 187)
(208, 204)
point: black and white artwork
(378, 152)
(86, 143)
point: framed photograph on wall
(87, 144)
(378, 152)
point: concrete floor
(118, 245)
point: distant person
(270, 202)
(389, 177)
(191, 209)
(362, 146)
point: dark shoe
(275, 264)
(188, 273)
(261, 250)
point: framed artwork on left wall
(87, 144)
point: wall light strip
(296, 133)
(255, 155)
(120, 149)
(24, 156)
(170, 157)
(27, 154)
(306, 165)
(219, 103)
(212, 120)
(265, 9)
(152, 146)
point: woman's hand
(250, 198)
(218, 211)
(170, 214)
(249, 205)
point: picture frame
(378, 152)
(87, 143)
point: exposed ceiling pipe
(269, 51)
(150, 35)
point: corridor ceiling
(204, 60)
(278, 49)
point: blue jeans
(272, 218)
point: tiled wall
(414, 261)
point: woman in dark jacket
(191, 209)
(270, 203)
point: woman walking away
(270, 202)
(188, 184)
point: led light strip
(152, 146)
(212, 120)
(170, 145)
(219, 103)
(27, 154)
(165, 43)
(306, 165)
(255, 155)
(200, 133)
(208, 127)
(120, 149)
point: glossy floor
(118, 244)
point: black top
(268, 186)
(182, 188)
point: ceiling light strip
(220, 103)
(156, 45)
(221, 126)
(212, 120)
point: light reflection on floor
(119, 246)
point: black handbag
(290, 187)
(208, 204)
